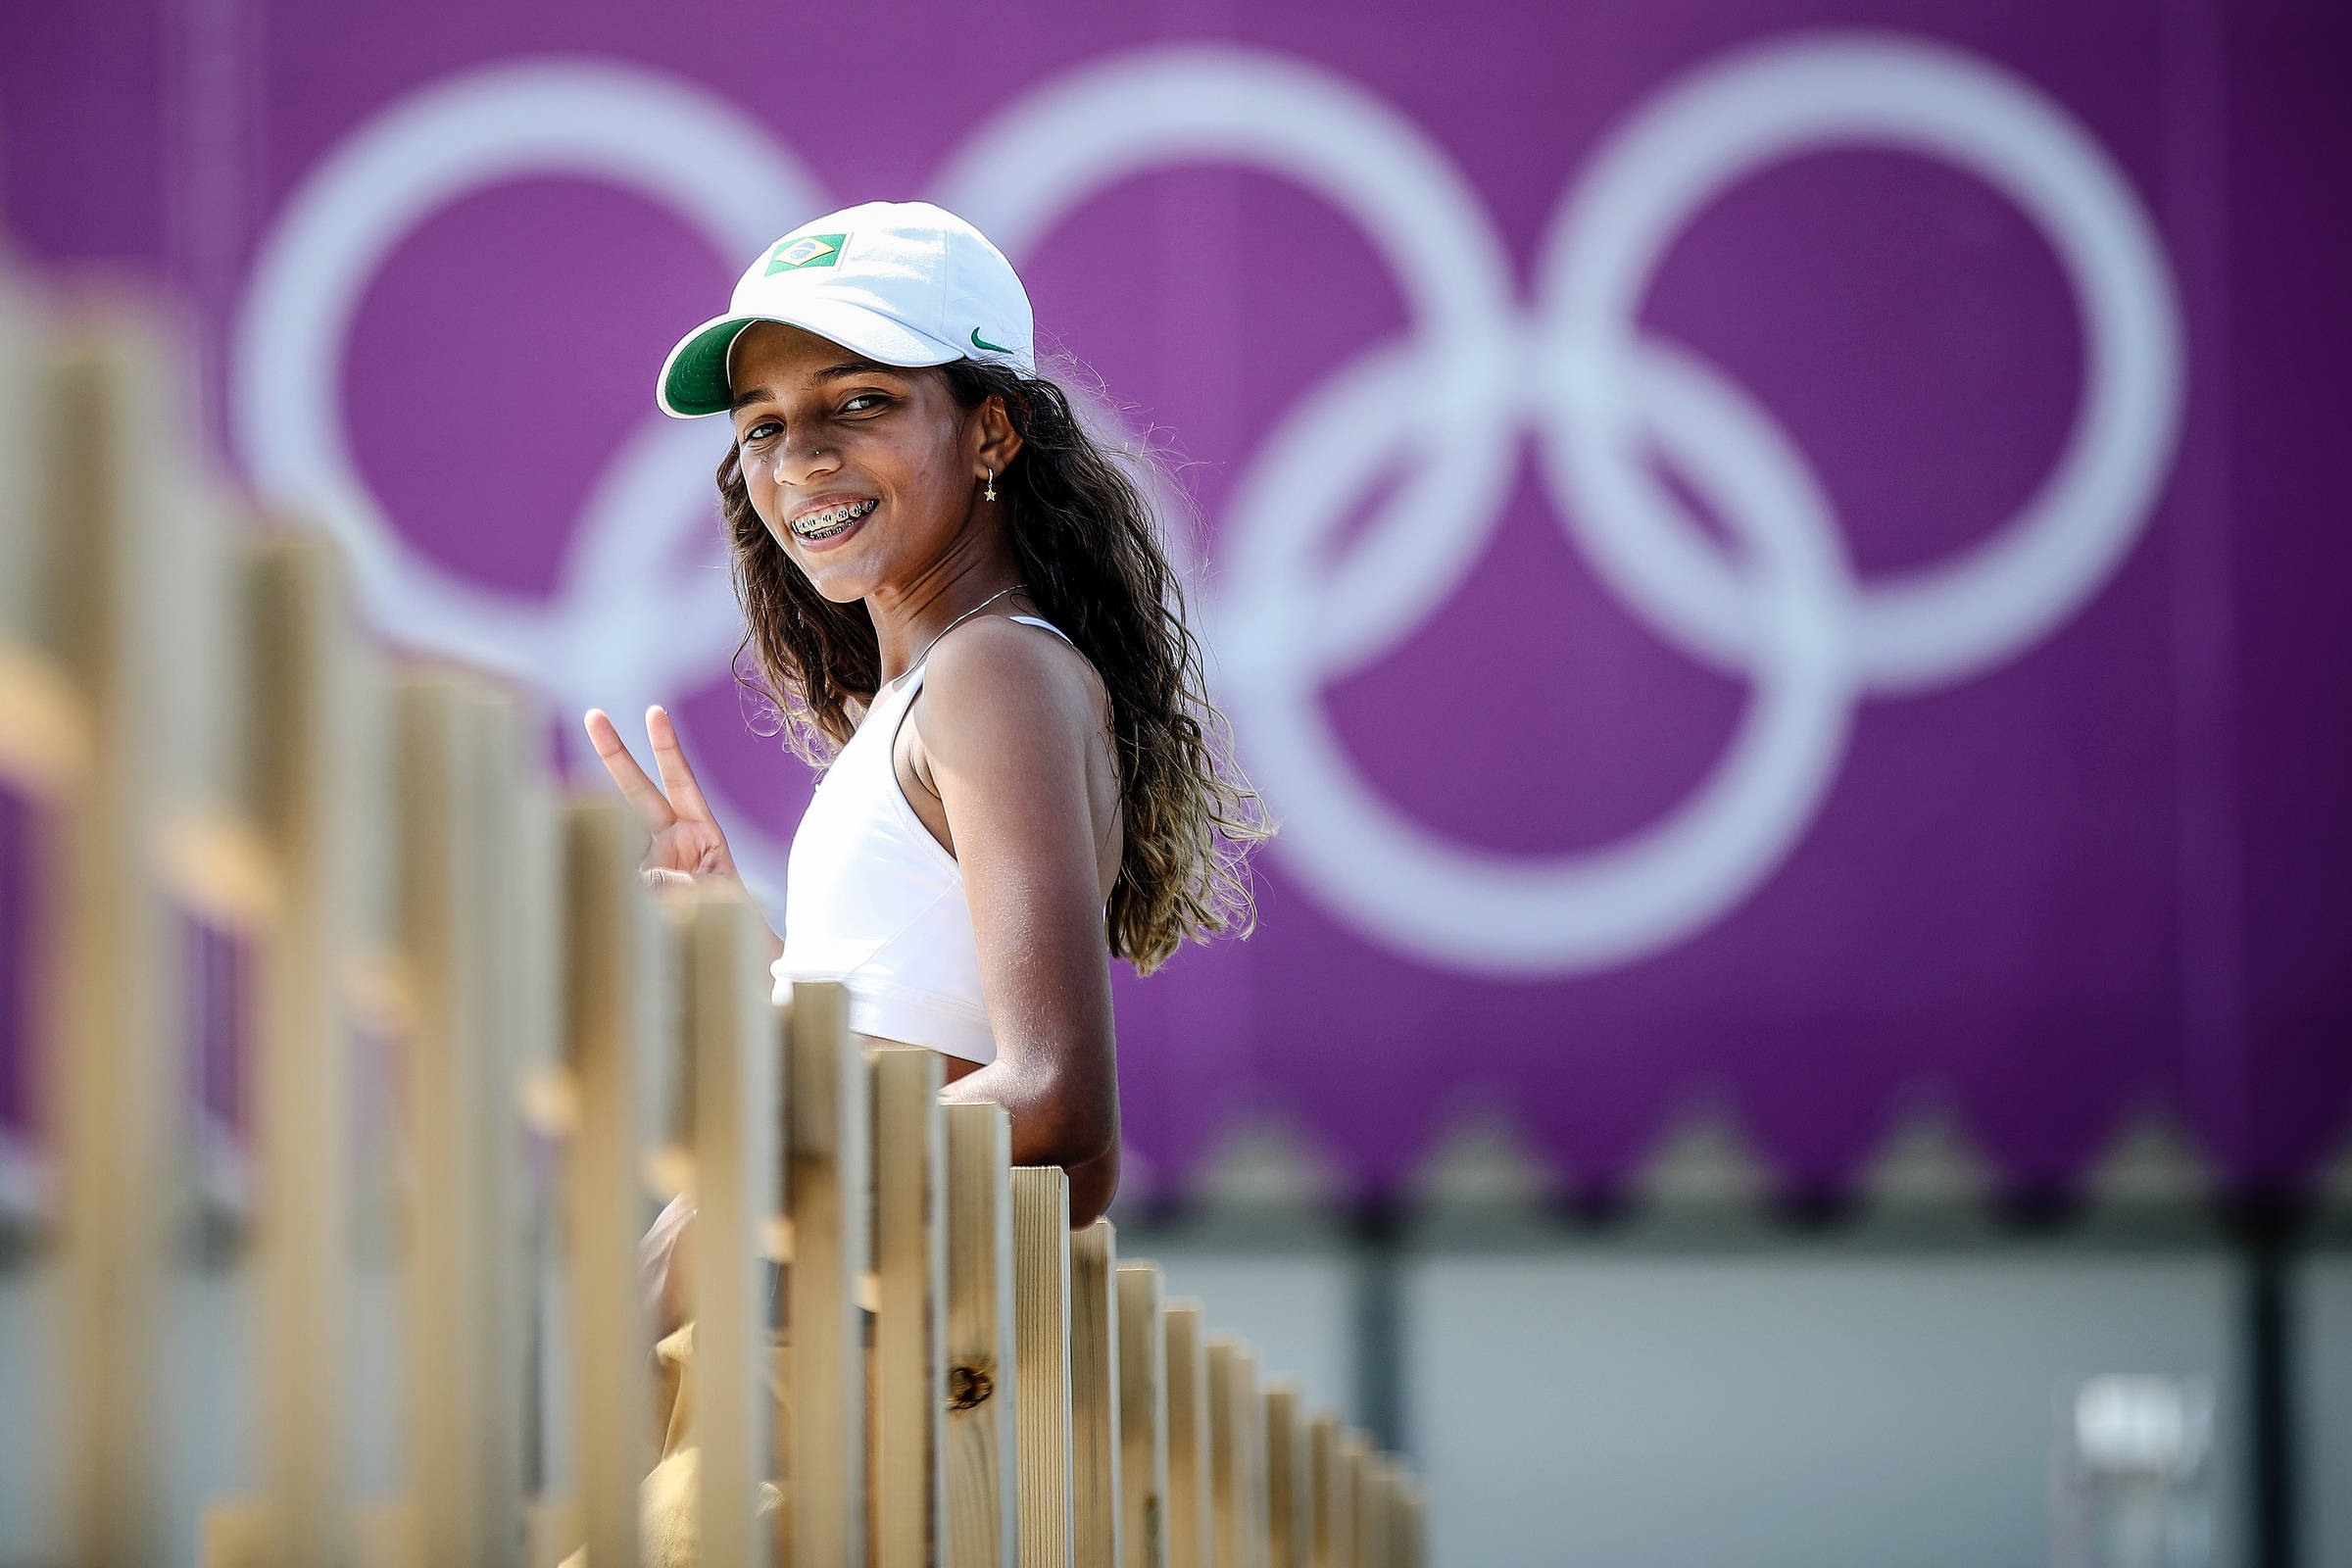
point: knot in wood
(967, 1387)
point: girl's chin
(841, 593)
(840, 581)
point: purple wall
(1782, 546)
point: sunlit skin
(1006, 754)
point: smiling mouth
(827, 521)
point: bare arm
(1011, 742)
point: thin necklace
(916, 662)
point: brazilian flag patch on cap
(809, 250)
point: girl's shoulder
(997, 673)
(1005, 645)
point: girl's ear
(1000, 442)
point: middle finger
(653, 806)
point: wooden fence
(195, 738)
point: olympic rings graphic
(1953, 620)
(631, 616)
(1782, 607)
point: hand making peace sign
(688, 847)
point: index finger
(653, 806)
(685, 795)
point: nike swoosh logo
(980, 342)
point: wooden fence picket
(1192, 1505)
(1094, 1438)
(1356, 1464)
(1143, 1418)
(1380, 1554)
(614, 970)
(983, 1437)
(910, 1265)
(1040, 1314)
(1225, 1459)
(826, 1186)
(732, 1039)
(504, 810)
(1287, 1477)
(1392, 1512)
(1250, 1441)
(106, 535)
(1333, 1524)
(447, 1111)
(1237, 1449)
(1411, 1549)
(302, 664)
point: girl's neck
(906, 625)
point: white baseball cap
(900, 282)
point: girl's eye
(863, 402)
(762, 430)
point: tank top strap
(1040, 621)
(912, 678)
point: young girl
(958, 595)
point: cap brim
(694, 378)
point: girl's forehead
(778, 344)
(777, 354)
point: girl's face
(866, 474)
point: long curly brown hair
(1092, 558)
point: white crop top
(871, 899)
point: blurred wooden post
(111, 1074)
(982, 1432)
(1411, 1549)
(1363, 1503)
(447, 1234)
(615, 1007)
(733, 1039)
(1249, 1421)
(548, 1102)
(1372, 1513)
(1143, 1418)
(1389, 1510)
(910, 1265)
(302, 657)
(1287, 1479)
(1224, 1476)
(1041, 1312)
(826, 1187)
(1237, 1455)
(1095, 1394)
(1190, 1537)
(1333, 1511)
(502, 788)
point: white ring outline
(1523, 916)
(1130, 114)
(1955, 619)
(667, 141)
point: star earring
(990, 493)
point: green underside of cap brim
(696, 382)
